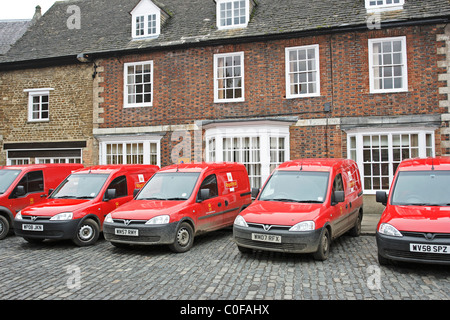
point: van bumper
(399, 249)
(146, 234)
(60, 230)
(294, 242)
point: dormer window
(233, 13)
(147, 19)
(383, 5)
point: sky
(22, 9)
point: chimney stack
(37, 15)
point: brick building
(258, 82)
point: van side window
(338, 184)
(32, 182)
(210, 182)
(120, 185)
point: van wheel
(356, 230)
(4, 227)
(184, 238)
(324, 246)
(87, 233)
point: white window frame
(404, 65)
(316, 71)
(59, 160)
(32, 93)
(423, 149)
(17, 161)
(217, 78)
(232, 17)
(126, 94)
(384, 6)
(146, 140)
(263, 130)
(145, 10)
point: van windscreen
(169, 186)
(422, 188)
(6, 178)
(80, 186)
(296, 186)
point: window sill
(137, 106)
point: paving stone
(213, 269)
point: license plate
(127, 232)
(32, 227)
(429, 248)
(266, 237)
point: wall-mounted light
(85, 58)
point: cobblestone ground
(213, 270)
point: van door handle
(219, 204)
(226, 203)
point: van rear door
(231, 186)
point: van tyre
(324, 246)
(4, 227)
(184, 238)
(87, 233)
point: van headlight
(62, 216)
(159, 220)
(240, 221)
(108, 218)
(19, 215)
(389, 230)
(304, 226)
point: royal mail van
(302, 207)
(179, 202)
(415, 225)
(24, 185)
(78, 206)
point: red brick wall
(183, 86)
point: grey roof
(106, 24)
(10, 32)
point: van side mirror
(337, 197)
(255, 192)
(381, 197)
(203, 195)
(135, 192)
(19, 191)
(50, 191)
(110, 194)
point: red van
(77, 208)
(303, 205)
(415, 226)
(24, 185)
(181, 201)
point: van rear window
(296, 186)
(421, 188)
